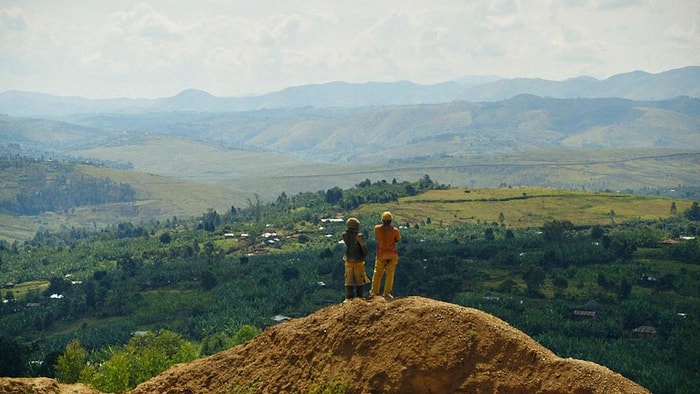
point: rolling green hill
(221, 179)
(530, 207)
(156, 198)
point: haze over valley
(574, 134)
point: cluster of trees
(144, 356)
(61, 194)
(58, 187)
(198, 292)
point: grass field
(527, 207)
(21, 289)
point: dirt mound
(42, 386)
(408, 345)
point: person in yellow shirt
(387, 256)
(355, 251)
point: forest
(45, 185)
(85, 305)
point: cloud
(12, 19)
(614, 4)
(143, 21)
(153, 48)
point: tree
(142, 358)
(256, 207)
(692, 213)
(165, 238)
(558, 232)
(209, 280)
(13, 357)
(334, 195)
(244, 334)
(290, 273)
(71, 363)
(624, 290)
(534, 277)
(214, 343)
(597, 231)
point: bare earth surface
(407, 345)
(42, 386)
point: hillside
(408, 345)
(595, 144)
(153, 197)
(524, 123)
(207, 278)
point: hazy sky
(157, 48)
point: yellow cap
(386, 216)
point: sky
(158, 48)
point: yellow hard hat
(386, 216)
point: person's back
(354, 258)
(387, 255)
(387, 237)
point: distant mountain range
(378, 134)
(637, 85)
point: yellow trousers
(355, 274)
(384, 267)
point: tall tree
(71, 363)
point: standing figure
(355, 253)
(387, 255)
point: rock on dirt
(407, 345)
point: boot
(359, 290)
(348, 293)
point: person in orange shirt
(387, 255)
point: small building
(581, 314)
(139, 333)
(590, 310)
(280, 318)
(645, 331)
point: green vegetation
(332, 387)
(51, 186)
(577, 271)
(64, 195)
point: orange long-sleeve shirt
(387, 237)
